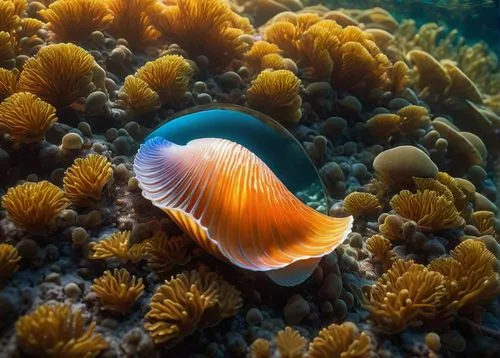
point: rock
(296, 309)
(331, 287)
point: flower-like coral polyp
(59, 74)
(168, 75)
(188, 302)
(339, 341)
(8, 83)
(7, 49)
(164, 253)
(404, 296)
(117, 246)
(276, 93)
(358, 203)
(137, 96)
(9, 261)
(75, 20)
(25, 117)
(85, 180)
(118, 291)
(35, 207)
(58, 332)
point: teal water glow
(266, 138)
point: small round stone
(85, 128)
(433, 341)
(79, 236)
(72, 291)
(72, 141)
(254, 316)
(296, 309)
(111, 134)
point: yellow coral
(8, 83)
(412, 118)
(276, 93)
(381, 249)
(260, 49)
(132, 21)
(404, 296)
(428, 209)
(290, 343)
(59, 74)
(340, 341)
(188, 302)
(118, 291)
(10, 17)
(75, 20)
(58, 332)
(469, 276)
(117, 246)
(164, 253)
(29, 27)
(206, 28)
(9, 261)
(7, 49)
(84, 181)
(260, 348)
(138, 96)
(35, 207)
(484, 222)
(25, 117)
(358, 204)
(168, 75)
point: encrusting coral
(9, 261)
(117, 291)
(25, 117)
(431, 211)
(276, 93)
(86, 178)
(75, 20)
(187, 302)
(35, 207)
(168, 76)
(59, 74)
(117, 246)
(56, 331)
(404, 296)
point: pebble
(72, 291)
(254, 316)
(339, 309)
(296, 309)
(72, 141)
(331, 287)
(433, 341)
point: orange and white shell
(230, 202)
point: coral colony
(125, 232)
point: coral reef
(397, 109)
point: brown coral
(86, 178)
(432, 77)
(25, 117)
(412, 118)
(276, 93)
(290, 343)
(209, 28)
(255, 55)
(358, 204)
(9, 18)
(56, 331)
(75, 20)
(138, 96)
(469, 276)
(484, 222)
(260, 348)
(381, 249)
(9, 261)
(164, 253)
(8, 83)
(29, 27)
(168, 75)
(117, 246)
(428, 209)
(404, 296)
(188, 302)
(35, 207)
(400, 78)
(339, 341)
(7, 49)
(347, 56)
(59, 74)
(117, 291)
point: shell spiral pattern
(231, 203)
